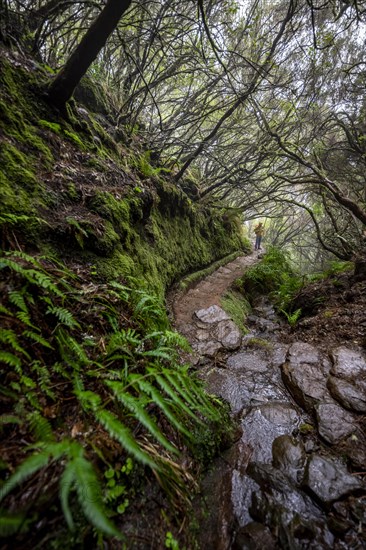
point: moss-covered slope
(103, 429)
(67, 186)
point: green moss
(53, 126)
(75, 139)
(15, 167)
(237, 307)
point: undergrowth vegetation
(274, 276)
(90, 378)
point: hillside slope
(103, 430)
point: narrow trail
(294, 479)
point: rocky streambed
(295, 476)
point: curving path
(294, 478)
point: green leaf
(139, 413)
(90, 496)
(25, 470)
(123, 435)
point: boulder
(305, 375)
(334, 423)
(213, 314)
(347, 380)
(329, 481)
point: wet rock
(348, 363)
(347, 380)
(263, 424)
(288, 455)
(213, 314)
(228, 334)
(348, 394)
(254, 536)
(305, 375)
(329, 481)
(279, 353)
(243, 489)
(288, 511)
(247, 362)
(209, 348)
(263, 325)
(334, 423)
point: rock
(213, 314)
(329, 481)
(289, 512)
(347, 380)
(301, 352)
(264, 325)
(228, 334)
(247, 362)
(288, 455)
(334, 423)
(263, 424)
(305, 375)
(254, 536)
(279, 354)
(348, 363)
(208, 348)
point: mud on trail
(295, 478)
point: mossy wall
(90, 203)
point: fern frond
(9, 337)
(134, 405)
(40, 427)
(160, 353)
(161, 402)
(25, 318)
(25, 470)
(16, 297)
(9, 419)
(124, 436)
(10, 524)
(173, 394)
(11, 360)
(90, 496)
(5, 311)
(37, 338)
(66, 481)
(44, 380)
(64, 316)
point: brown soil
(334, 313)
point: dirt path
(209, 291)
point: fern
(123, 435)
(37, 338)
(90, 498)
(134, 405)
(10, 524)
(9, 337)
(173, 394)
(17, 298)
(161, 402)
(64, 316)
(26, 469)
(40, 427)
(11, 360)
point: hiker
(259, 232)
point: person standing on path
(259, 232)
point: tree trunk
(86, 52)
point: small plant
(292, 318)
(171, 542)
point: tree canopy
(259, 105)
